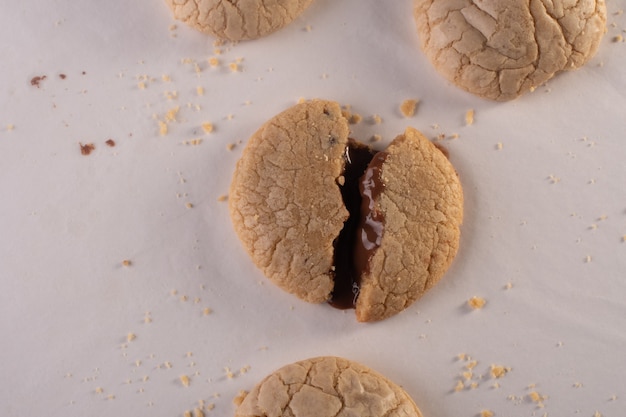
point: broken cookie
(327, 387)
(237, 20)
(331, 220)
(500, 49)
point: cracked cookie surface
(500, 49)
(327, 387)
(237, 20)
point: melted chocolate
(357, 158)
(371, 225)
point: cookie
(237, 20)
(500, 49)
(327, 387)
(331, 220)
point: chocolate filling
(362, 231)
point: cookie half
(331, 220)
(237, 20)
(327, 387)
(500, 49)
(420, 205)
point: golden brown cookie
(237, 20)
(500, 49)
(329, 219)
(327, 387)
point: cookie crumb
(171, 114)
(206, 311)
(486, 413)
(508, 285)
(127, 262)
(87, 148)
(408, 107)
(376, 138)
(130, 337)
(193, 142)
(234, 67)
(162, 128)
(376, 119)
(355, 118)
(197, 412)
(459, 386)
(240, 397)
(222, 198)
(618, 38)
(469, 117)
(184, 379)
(535, 397)
(189, 205)
(476, 302)
(588, 259)
(499, 146)
(498, 371)
(37, 80)
(231, 146)
(200, 90)
(207, 127)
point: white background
(543, 240)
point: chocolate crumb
(110, 142)
(62, 76)
(87, 148)
(36, 80)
